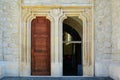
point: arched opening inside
(72, 47)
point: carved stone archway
(56, 16)
(75, 23)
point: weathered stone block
(101, 68)
(103, 32)
(2, 69)
(11, 68)
(56, 2)
(114, 71)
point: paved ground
(56, 78)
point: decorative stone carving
(56, 16)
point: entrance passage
(72, 52)
(40, 46)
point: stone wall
(116, 30)
(103, 31)
(9, 36)
(107, 37)
(115, 57)
(57, 2)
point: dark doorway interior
(72, 52)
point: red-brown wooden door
(40, 46)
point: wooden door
(40, 46)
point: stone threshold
(56, 78)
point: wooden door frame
(56, 16)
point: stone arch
(56, 16)
(75, 23)
(25, 56)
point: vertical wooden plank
(40, 53)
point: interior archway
(72, 47)
(76, 24)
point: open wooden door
(40, 46)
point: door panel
(40, 46)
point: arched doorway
(40, 46)
(56, 17)
(72, 51)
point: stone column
(88, 47)
(56, 65)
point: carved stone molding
(57, 16)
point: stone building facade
(100, 34)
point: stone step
(56, 78)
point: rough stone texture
(1, 72)
(56, 2)
(9, 35)
(115, 57)
(2, 69)
(114, 71)
(103, 31)
(107, 37)
(116, 29)
(1, 55)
